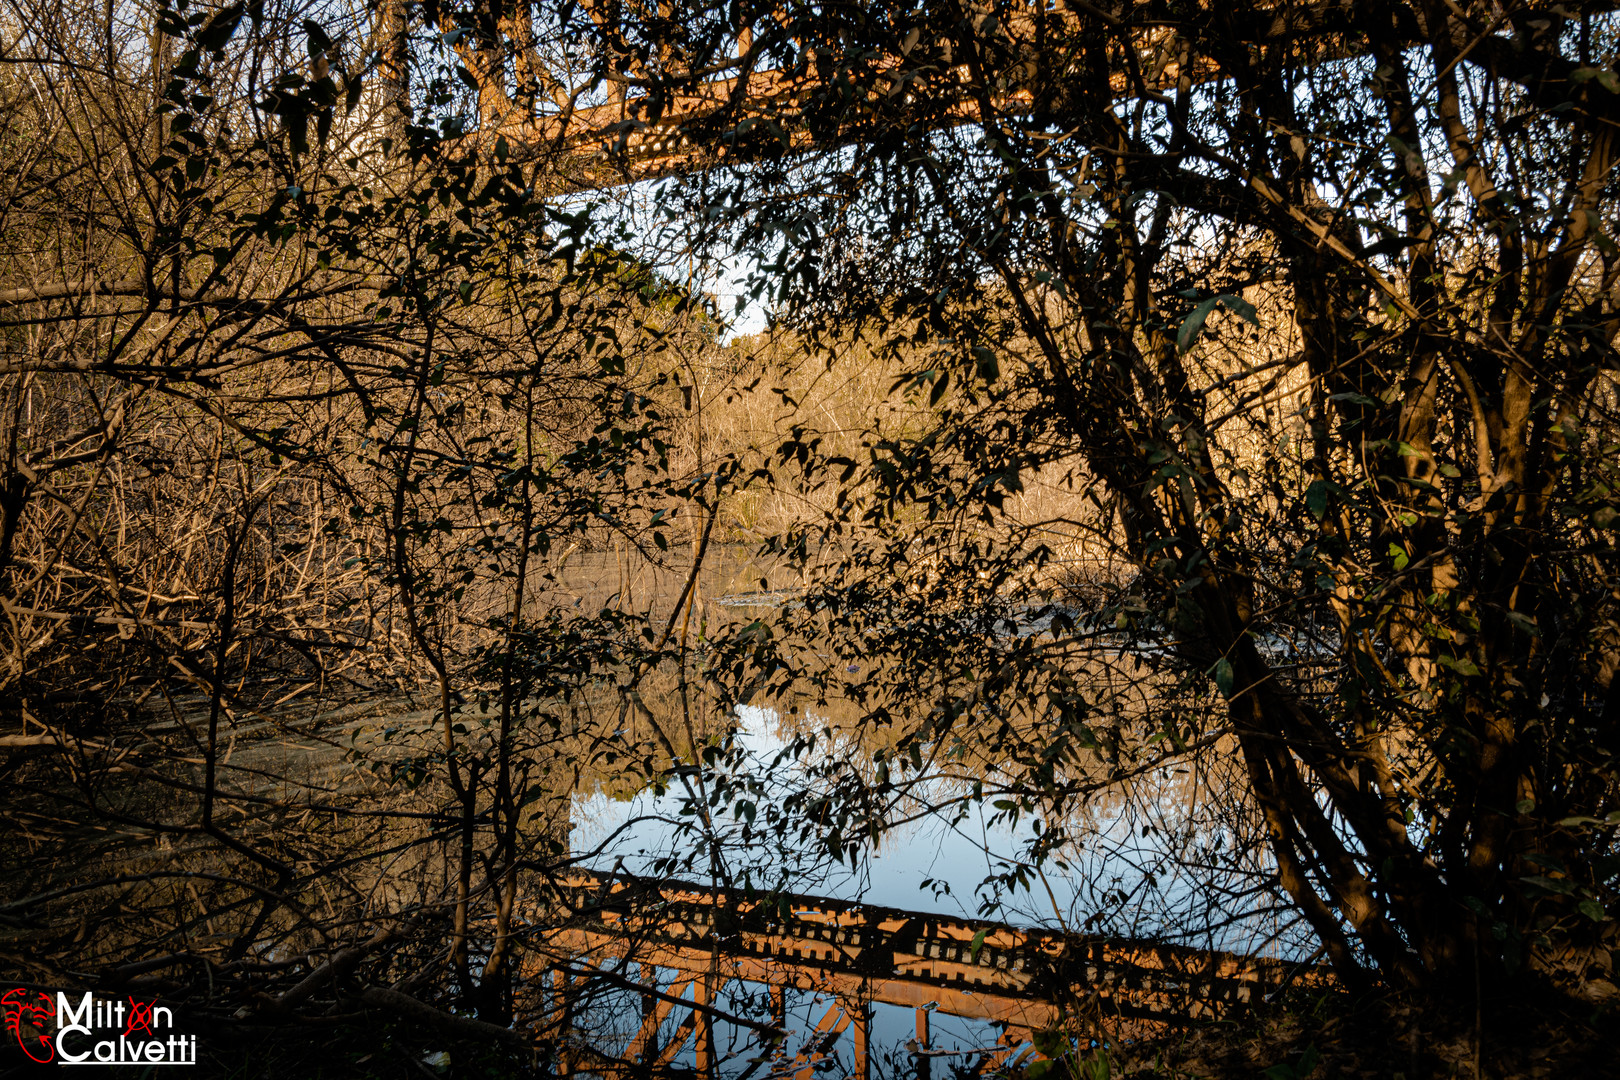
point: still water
(941, 856)
(935, 864)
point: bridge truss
(680, 944)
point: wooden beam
(648, 135)
(645, 1041)
(831, 1026)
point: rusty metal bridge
(664, 114)
(685, 939)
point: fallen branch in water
(33, 742)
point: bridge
(648, 109)
(684, 939)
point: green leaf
(1524, 622)
(1316, 497)
(1602, 76)
(1461, 665)
(317, 41)
(219, 28)
(989, 368)
(1398, 553)
(978, 943)
(1194, 322)
(1592, 910)
(1580, 819)
(1561, 886)
(1222, 672)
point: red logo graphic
(28, 1013)
(140, 1016)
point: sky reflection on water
(931, 864)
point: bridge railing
(1025, 980)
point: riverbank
(1383, 1036)
(1318, 1037)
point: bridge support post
(559, 999)
(779, 1018)
(703, 992)
(649, 1004)
(861, 1022)
(924, 1062)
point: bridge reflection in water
(679, 946)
